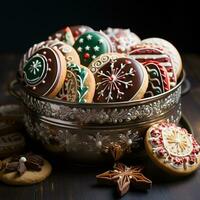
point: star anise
(125, 176)
(20, 164)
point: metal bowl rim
(111, 104)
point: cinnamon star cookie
(44, 72)
(172, 148)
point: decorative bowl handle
(14, 89)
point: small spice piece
(125, 177)
(21, 164)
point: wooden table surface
(69, 182)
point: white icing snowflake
(89, 37)
(96, 48)
(87, 48)
(93, 57)
(81, 40)
(79, 49)
(34, 67)
(113, 79)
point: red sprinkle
(86, 56)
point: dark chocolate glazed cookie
(121, 79)
(44, 73)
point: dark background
(24, 23)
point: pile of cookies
(79, 64)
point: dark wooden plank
(75, 182)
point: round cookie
(123, 40)
(79, 85)
(158, 79)
(25, 171)
(68, 91)
(90, 45)
(104, 59)
(172, 148)
(26, 56)
(68, 51)
(120, 79)
(169, 49)
(44, 72)
(64, 35)
(78, 30)
(11, 114)
(11, 140)
(145, 54)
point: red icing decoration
(86, 55)
(76, 33)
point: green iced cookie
(90, 45)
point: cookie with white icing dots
(79, 85)
(120, 79)
(64, 35)
(123, 40)
(145, 54)
(169, 49)
(44, 72)
(68, 51)
(92, 44)
(158, 79)
(79, 30)
(172, 148)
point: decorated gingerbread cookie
(123, 40)
(44, 72)
(158, 79)
(68, 51)
(169, 49)
(104, 59)
(145, 54)
(64, 35)
(120, 79)
(79, 85)
(68, 91)
(172, 148)
(79, 30)
(24, 170)
(27, 55)
(90, 45)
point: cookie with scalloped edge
(172, 148)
